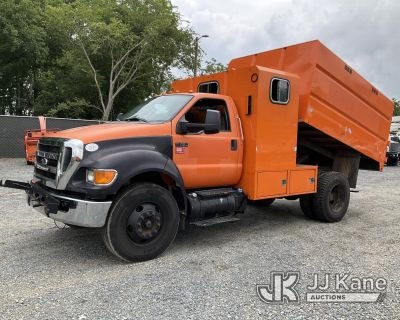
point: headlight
(101, 176)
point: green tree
(213, 66)
(87, 59)
(396, 110)
(76, 109)
(123, 43)
(23, 50)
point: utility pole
(196, 50)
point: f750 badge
(180, 147)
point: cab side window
(197, 114)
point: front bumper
(68, 210)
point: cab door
(209, 160)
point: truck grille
(57, 159)
(48, 156)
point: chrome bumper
(69, 210)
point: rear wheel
(306, 205)
(142, 223)
(392, 161)
(261, 203)
(331, 201)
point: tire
(142, 223)
(261, 203)
(392, 162)
(306, 205)
(331, 201)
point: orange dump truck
(294, 123)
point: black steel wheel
(142, 223)
(331, 201)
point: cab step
(213, 221)
(215, 193)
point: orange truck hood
(115, 130)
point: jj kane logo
(281, 289)
(324, 288)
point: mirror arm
(183, 126)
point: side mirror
(181, 127)
(212, 124)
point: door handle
(234, 144)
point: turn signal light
(101, 176)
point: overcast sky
(365, 33)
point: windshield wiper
(135, 118)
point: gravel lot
(208, 273)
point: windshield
(158, 109)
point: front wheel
(142, 223)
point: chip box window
(280, 91)
(209, 87)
